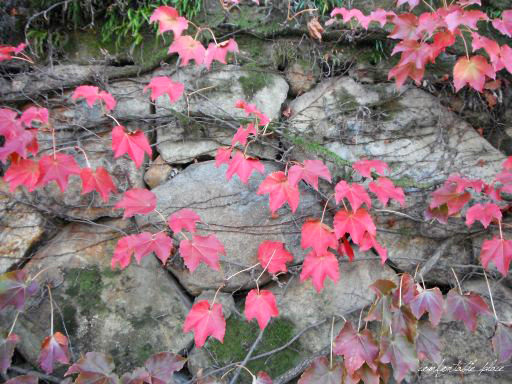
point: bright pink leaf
(385, 190)
(260, 305)
(449, 195)
(91, 94)
(504, 25)
(57, 167)
(32, 114)
(223, 156)
(183, 219)
(22, 172)
(169, 20)
(242, 134)
(310, 171)
(161, 85)
(280, 191)
(202, 249)
(145, 243)
(318, 267)
(368, 242)
(133, 143)
(499, 251)
(98, 180)
(273, 256)
(317, 235)
(354, 223)
(137, 201)
(219, 51)
(354, 193)
(243, 166)
(472, 71)
(205, 320)
(188, 49)
(364, 167)
(484, 213)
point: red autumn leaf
(183, 219)
(223, 156)
(504, 25)
(463, 183)
(22, 172)
(466, 307)
(404, 323)
(57, 167)
(449, 195)
(242, 134)
(138, 376)
(442, 40)
(91, 94)
(161, 85)
(93, 368)
(356, 348)
(321, 372)
(260, 304)
(145, 243)
(280, 191)
(406, 292)
(499, 251)
(8, 121)
(502, 342)
(317, 235)
(385, 190)
(368, 242)
(465, 18)
(98, 180)
(345, 249)
(472, 71)
(53, 349)
(218, 52)
(402, 356)
(507, 164)
(7, 346)
(354, 223)
(17, 141)
(428, 343)
(418, 53)
(169, 20)
(428, 300)
(161, 366)
(406, 27)
(137, 201)
(364, 167)
(273, 256)
(318, 267)
(15, 288)
(133, 143)
(243, 166)
(188, 49)
(491, 47)
(123, 252)
(205, 320)
(484, 213)
(402, 72)
(32, 114)
(24, 379)
(354, 193)
(309, 172)
(202, 249)
(262, 378)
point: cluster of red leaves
(402, 340)
(187, 47)
(8, 52)
(454, 195)
(423, 38)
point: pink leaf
(133, 143)
(188, 49)
(260, 305)
(202, 249)
(137, 201)
(169, 20)
(161, 85)
(280, 191)
(183, 219)
(205, 320)
(318, 267)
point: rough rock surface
(158, 172)
(101, 309)
(236, 215)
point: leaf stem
(113, 118)
(264, 269)
(325, 207)
(458, 282)
(490, 295)
(332, 331)
(14, 323)
(51, 308)
(241, 271)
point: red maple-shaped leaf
(406, 27)
(356, 348)
(318, 267)
(418, 53)
(97, 180)
(463, 183)
(484, 213)
(499, 251)
(242, 134)
(491, 47)
(406, 292)
(145, 243)
(94, 367)
(280, 191)
(188, 49)
(401, 72)
(223, 156)
(428, 343)
(364, 167)
(205, 320)
(354, 223)
(428, 300)
(161, 85)
(262, 378)
(7, 346)
(273, 256)
(202, 249)
(57, 167)
(22, 172)
(92, 94)
(317, 235)
(403, 323)
(218, 52)
(354, 193)
(32, 114)
(504, 25)
(23, 379)
(15, 288)
(123, 252)
(133, 143)
(465, 18)
(385, 190)
(183, 219)
(137, 201)
(502, 342)
(169, 20)
(402, 356)
(472, 71)
(260, 304)
(310, 171)
(449, 195)
(17, 142)
(53, 349)
(466, 307)
(161, 366)
(321, 372)
(243, 166)
(8, 121)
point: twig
(247, 357)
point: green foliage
(323, 6)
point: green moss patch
(85, 287)
(253, 82)
(240, 336)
